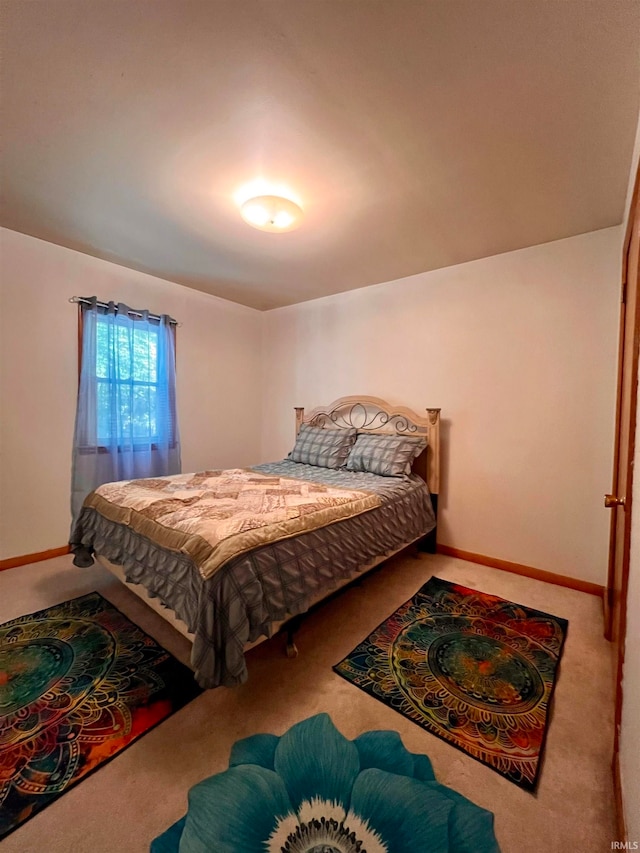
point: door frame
(609, 599)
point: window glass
(127, 382)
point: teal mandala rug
(476, 670)
(314, 791)
(79, 683)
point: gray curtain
(126, 423)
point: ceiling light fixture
(271, 213)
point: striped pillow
(387, 455)
(327, 448)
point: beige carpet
(126, 803)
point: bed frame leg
(428, 543)
(292, 626)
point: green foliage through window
(127, 392)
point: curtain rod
(100, 304)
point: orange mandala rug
(79, 683)
(476, 670)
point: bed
(227, 592)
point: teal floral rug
(314, 791)
(476, 670)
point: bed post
(299, 410)
(434, 441)
(429, 542)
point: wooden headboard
(373, 415)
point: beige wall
(519, 350)
(218, 379)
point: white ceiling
(415, 135)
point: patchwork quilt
(215, 515)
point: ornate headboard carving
(374, 415)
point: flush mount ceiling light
(271, 213)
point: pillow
(327, 448)
(388, 455)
